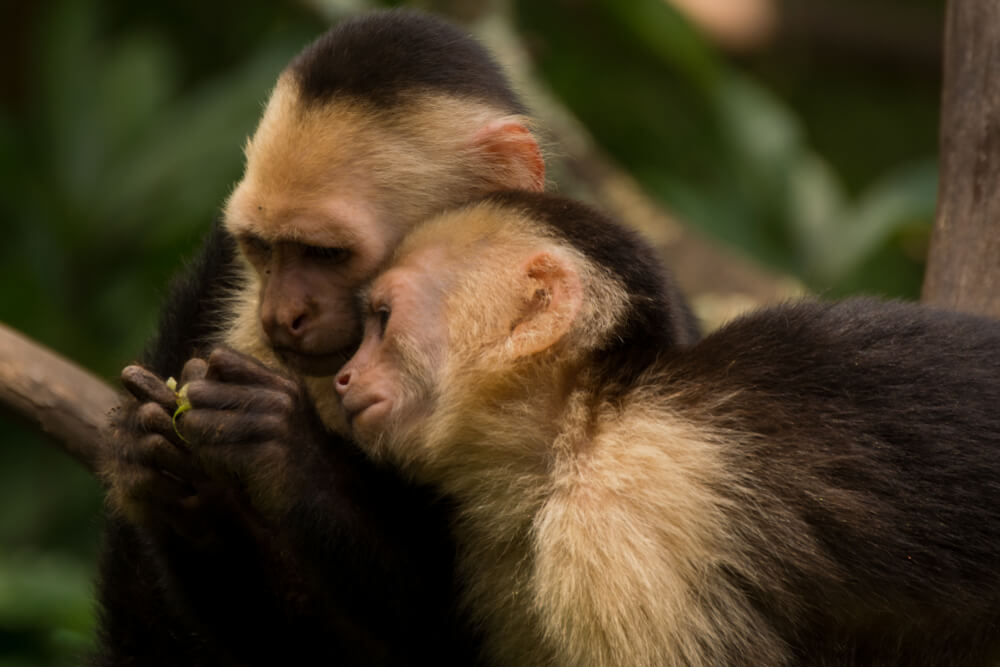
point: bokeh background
(801, 134)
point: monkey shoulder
(895, 384)
(855, 446)
(897, 348)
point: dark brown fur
(375, 57)
(876, 452)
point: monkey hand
(152, 477)
(244, 422)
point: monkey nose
(284, 328)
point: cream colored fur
(410, 162)
(604, 546)
(591, 532)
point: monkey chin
(382, 433)
(369, 419)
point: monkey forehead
(415, 298)
(427, 270)
(342, 220)
(348, 134)
(306, 156)
(299, 154)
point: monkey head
(479, 304)
(357, 144)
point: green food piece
(182, 399)
(172, 384)
(183, 405)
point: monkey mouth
(359, 408)
(311, 365)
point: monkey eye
(334, 255)
(255, 246)
(383, 312)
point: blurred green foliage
(721, 147)
(121, 128)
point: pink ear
(512, 147)
(552, 298)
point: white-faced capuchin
(242, 531)
(812, 484)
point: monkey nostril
(343, 380)
(284, 329)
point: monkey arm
(190, 547)
(238, 594)
(356, 567)
(372, 554)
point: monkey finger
(206, 427)
(267, 458)
(223, 396)
(153, 417)
(194, 369)
(157, 453)
(231, 366)
(146, 386)
(153, 488)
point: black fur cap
(378, 55)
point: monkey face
(309, 260)
(390, 381)
(472, 311)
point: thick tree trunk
(61, 398)
(963, 270)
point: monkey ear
(551, 297)
(515, 153)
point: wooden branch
(64, 400)
(963, 269)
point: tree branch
(64, 400)
(963, 269)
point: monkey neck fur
(501, 462)
(497, 456)
(541, 487)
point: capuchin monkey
(812, 484)
(243, 531)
